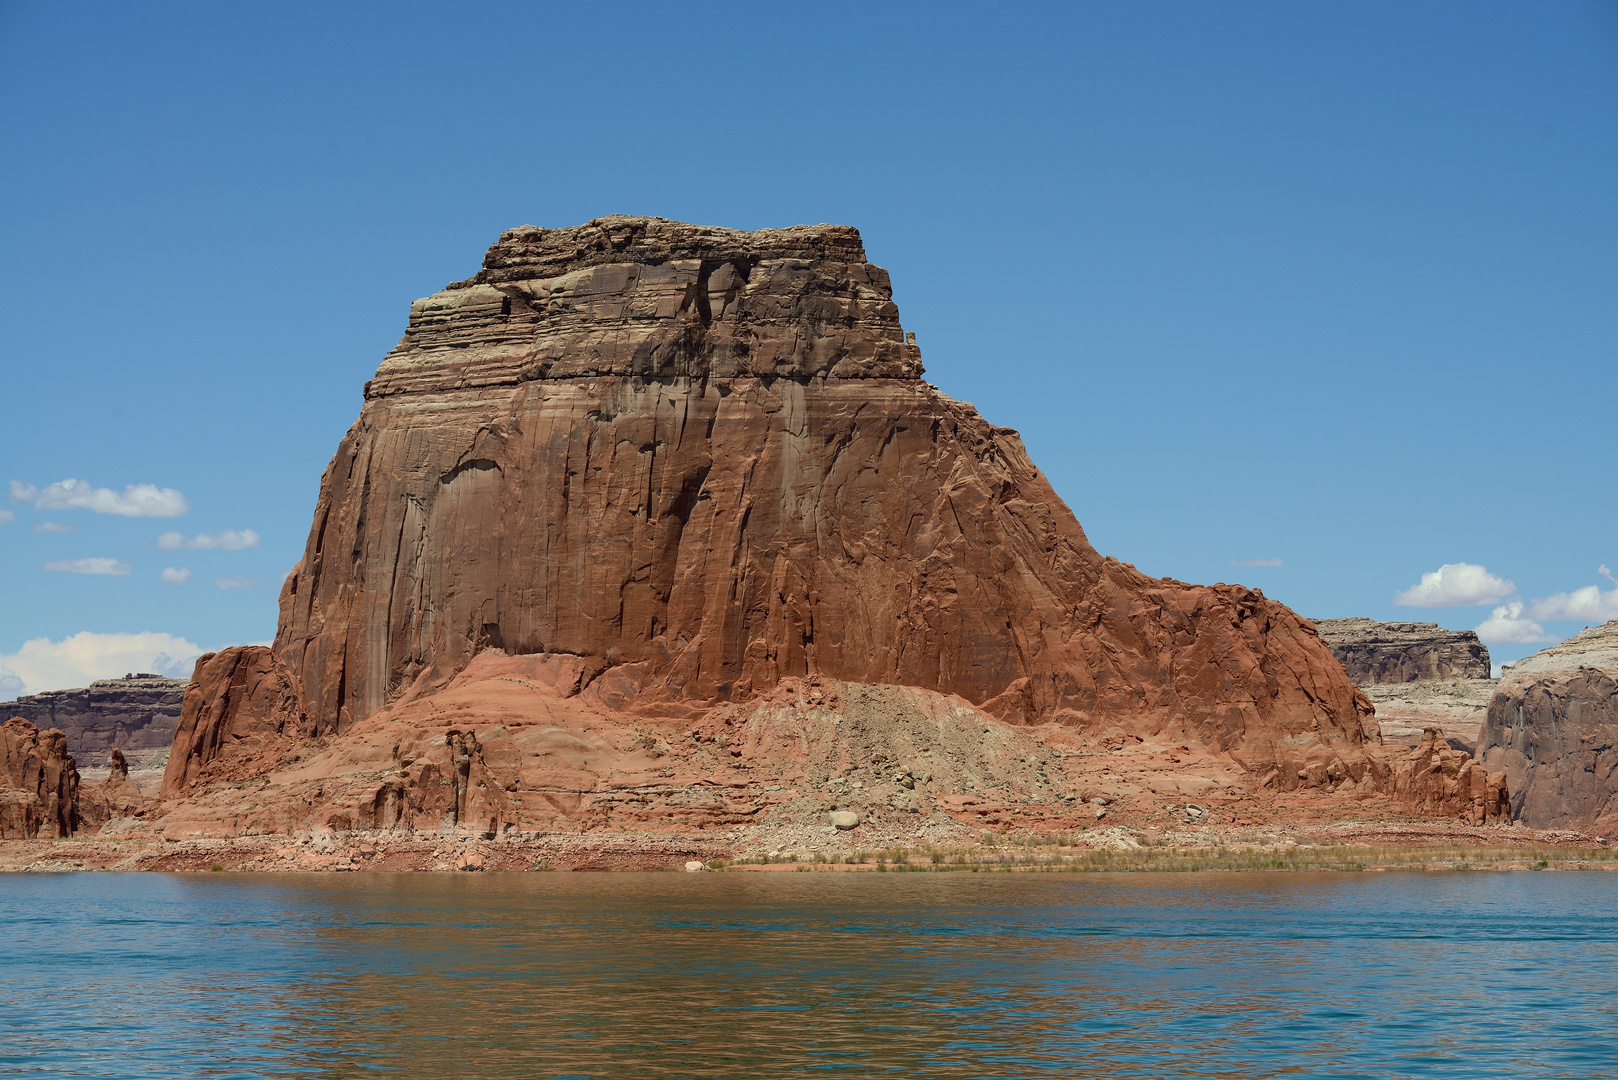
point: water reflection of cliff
(668, 975)
(960, 975)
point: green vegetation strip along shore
(1278, 857)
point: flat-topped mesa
(1400, 652)
(651, 297)
(136, 714)
(618, 469)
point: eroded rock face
(38, 782)
(1437, 779)
(706, 460)
(135, 715)
(242, 699)
(1553, 729)
(115, 797)
(1379, 652)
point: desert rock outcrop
(136, 715)
(240, 697)
(1435, 778)
(1400, 652)
(39, 783)
(1553, 729)
(115, 797)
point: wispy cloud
(1507, 626)
(176, 575)
(240, 581)
(42, 664)
(228, 540)
(55, 527)
(109, 567)
(137, 500)
(1456, 585)
(7, 517)
(1256, 562)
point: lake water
(767, 975)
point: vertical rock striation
(706, 458)
(39, 783)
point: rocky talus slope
(135, 715)
(1553, 730)
(653, 526)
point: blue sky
(1317, 297)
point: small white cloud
(229, 540)
(7, 517)
(1256, 562)
(1506, 626)
(55, 527)
(176, 575)
(1456, 585)
(240, 581)
(109, 567)
(42, 664)
(137, 500)
(1588, 604)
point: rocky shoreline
(1388, 844)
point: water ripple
(732, 975)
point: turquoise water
(754, 975)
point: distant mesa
(1420, 676)
(136, 715)
(1401, 652)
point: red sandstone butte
(699, 462)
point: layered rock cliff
(1553, 729)
(704, 461)
(136, 715)
(1400, 652)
